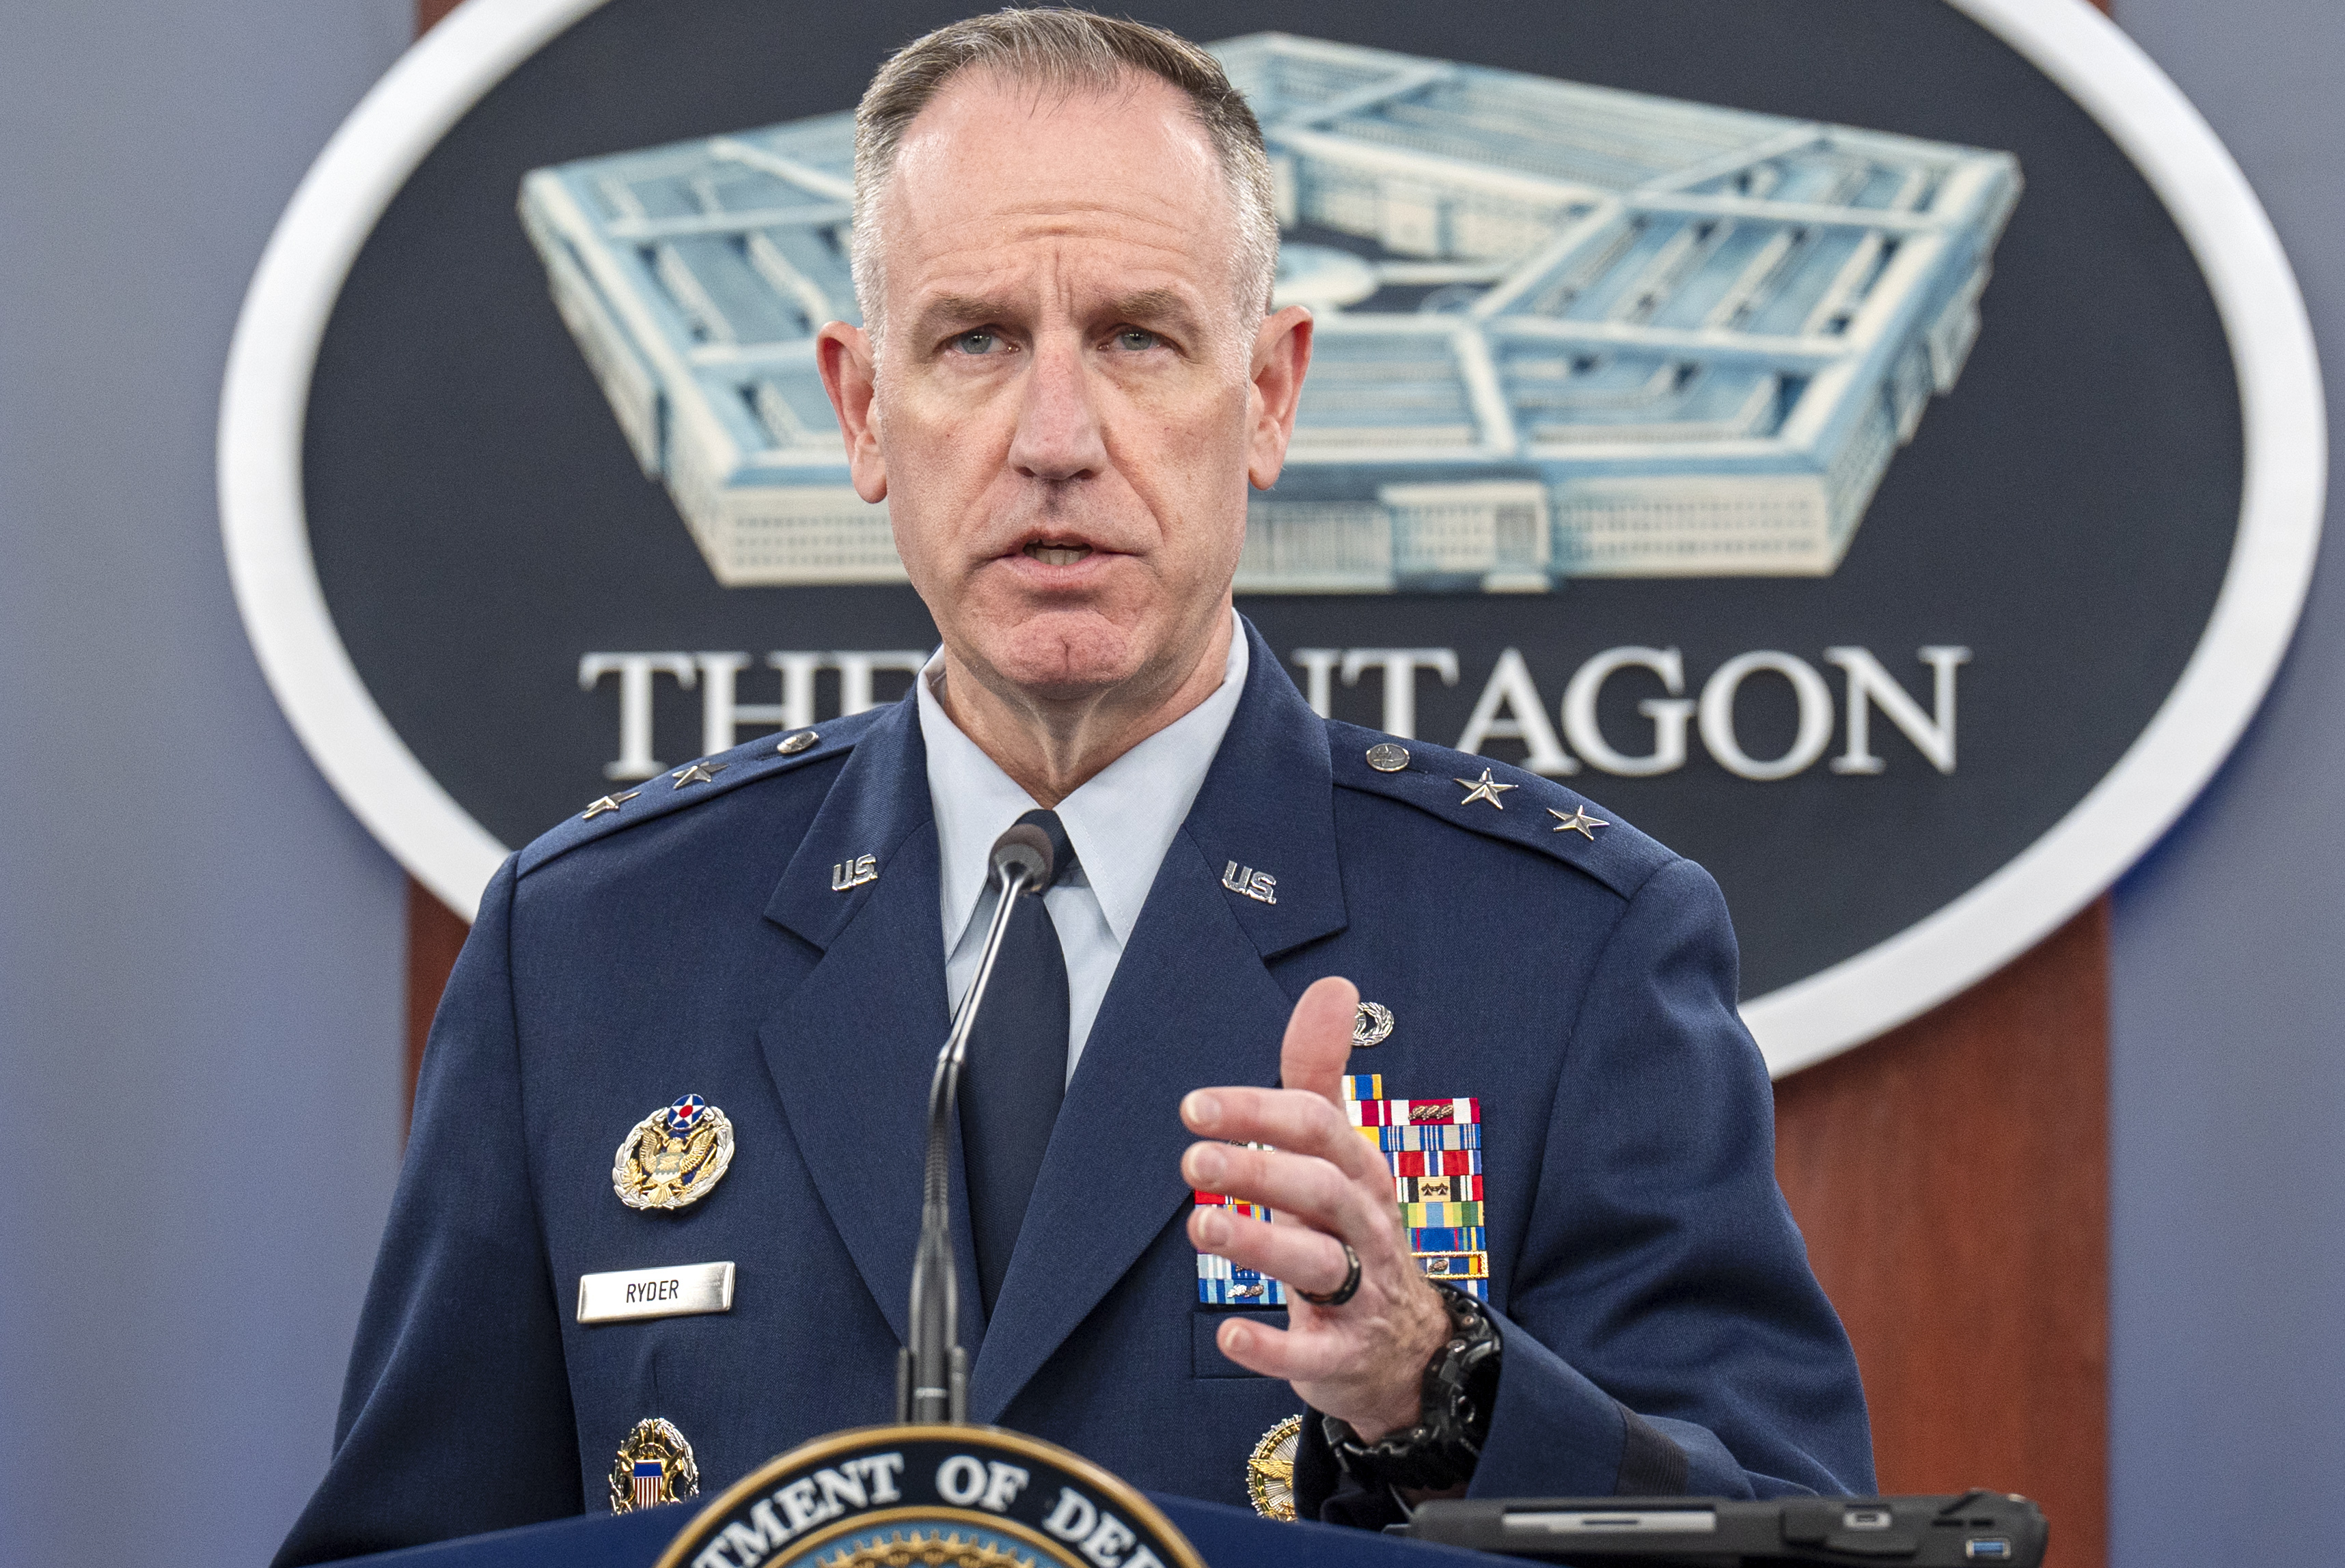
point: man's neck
(1051, 749)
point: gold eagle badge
(673, 1156)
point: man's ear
(1282, 353)
(843, 353)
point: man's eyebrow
(958, 310)
(1148, 306)
(1168, 306)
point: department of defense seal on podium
(941, 1496)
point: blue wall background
(2227, 1385)
(199, 992)
(200, 1005)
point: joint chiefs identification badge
(1269, 1470)
(673, 1156)
(655, 1466)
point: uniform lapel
(852, 1047)
(1192, 1004)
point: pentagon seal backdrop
(1803, 423)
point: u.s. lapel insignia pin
(1371, 1025)
(1269, 1470)
(655, 1466)
(673, 1156)
(1259, 885)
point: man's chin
(1063, 656)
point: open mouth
(1057, 554)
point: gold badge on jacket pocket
(655, 1466)
(1269, 1470)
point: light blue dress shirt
(1120, 822)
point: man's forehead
(992, 166)
(983, 108)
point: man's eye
(980, 342)
(1132, 340)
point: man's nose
(1059, 435)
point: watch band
(1461, 1384)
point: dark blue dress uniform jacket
(1642, 1259)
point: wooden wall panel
(435, 935)
(1952, 1178)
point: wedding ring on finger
(1342, 1292)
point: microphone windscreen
(1028, 848)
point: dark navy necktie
(1017, 1071)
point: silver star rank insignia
(1578, 822)
(699, 773)
(1485, 788)
(609, 802)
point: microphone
(932, 1369)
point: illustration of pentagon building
(1563, 331)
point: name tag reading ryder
(677, 1292)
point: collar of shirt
(1121, 821)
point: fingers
(1307, 1260)
(1299, 1122)
(1318, 1042)
(1302, 1187)
(1283, 1352)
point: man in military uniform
(1067, 378)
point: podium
(1225, 1537)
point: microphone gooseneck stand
(932, 1369)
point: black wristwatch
(1461, 1384)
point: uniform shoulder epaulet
(1496, 800)
(663, 794)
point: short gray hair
(1072, 51)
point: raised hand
(1361, 1359)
